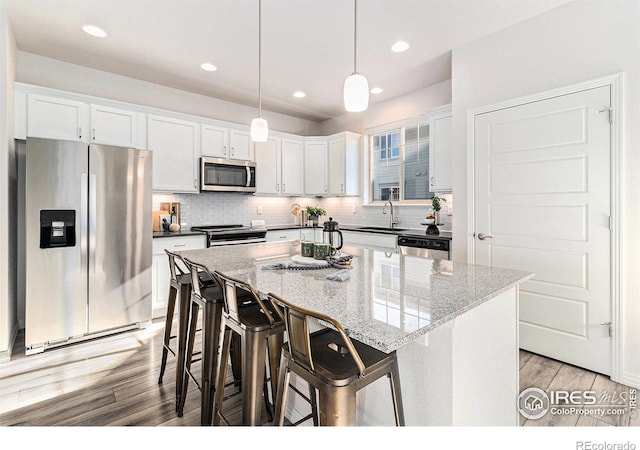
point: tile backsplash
(216, 208)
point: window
(399, 163)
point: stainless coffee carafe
(331, 234)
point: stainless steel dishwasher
(424, 247)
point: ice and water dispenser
(57, 228)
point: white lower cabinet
(283, 235)
(160, 272)
(370, 240)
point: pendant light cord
(355, 34)
(260, 58)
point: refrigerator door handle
(84, 218)
(92, 222)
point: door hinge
(610, 325)
(610, 111)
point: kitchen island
(453, 325)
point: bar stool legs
(185, 300)
(171, 306)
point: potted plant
(435, 203)
(314, 212)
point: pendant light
(356, 87)
(259, 127)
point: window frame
(369, 135)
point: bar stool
(260, 334)
(179, 283)
(334, 364)
(209, 298)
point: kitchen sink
(382, 229)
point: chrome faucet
(392, 218)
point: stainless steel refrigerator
(88, 241)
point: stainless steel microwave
(224, 175)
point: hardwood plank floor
(113, 381)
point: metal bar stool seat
(334, 364)
(208, 297)
(261, 335)
(179, 285)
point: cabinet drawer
(283, 235)
(178, 243)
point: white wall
(8, 185)
(582, 40)
(42, 71)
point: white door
(542, 195)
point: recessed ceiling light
(299, 94)
(399, 46)
(208, 67)
(94, 31)
(376, 90)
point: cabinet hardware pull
(79, 132)
(284, 187)
(195, 183)
(224, 150)
(179, 245)
(94, 134)
(278, 187)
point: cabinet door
(175, 146)
(240, 143)
(337, 166)
(112, 126)
(56, 118)
(292, 162)
(315, 168)
(441, 136)
(283, 235)
(267, 158)
(215, 141)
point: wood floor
(114, 381)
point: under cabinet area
(160, 271)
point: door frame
(615, 82)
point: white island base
(463, 373)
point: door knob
(483, 236)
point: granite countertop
(388, 300)
(400, 231)
(161, 234)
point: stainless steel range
(231, 234)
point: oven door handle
(248, 176)
(239, 241)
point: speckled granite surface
(389, 299)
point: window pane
(416, 180)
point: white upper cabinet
(344, 164)
(114, 126)
(440, 145)
(56, 118)
(215, 141)
(292, 161)
(316, 167)
(279, 166)
(240, 144)
(268, 167)
(176, 151)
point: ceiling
(306, 44)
